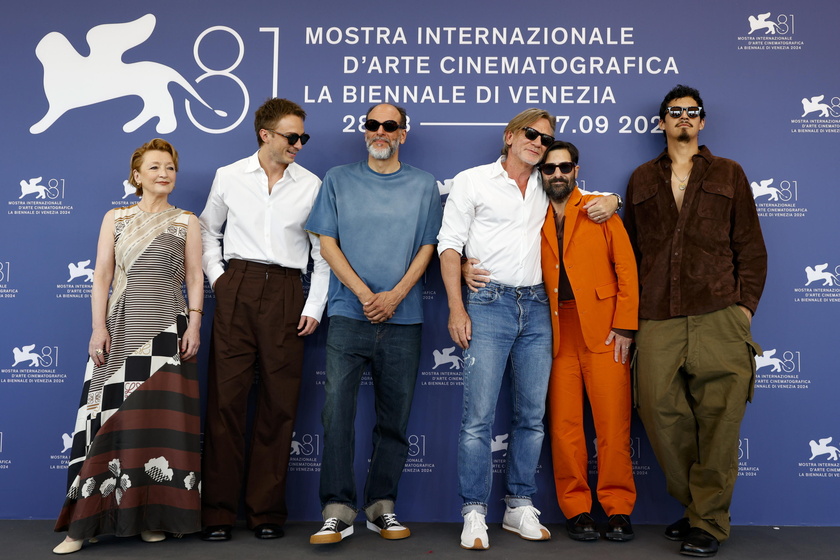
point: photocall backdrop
(86, 84)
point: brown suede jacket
(708, 255)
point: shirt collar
(703, 152)
(253, 166)
(497, 170)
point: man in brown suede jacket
(702, 263)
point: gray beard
(381, 153)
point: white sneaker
(524, 521)
(474, 535)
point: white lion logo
(445, 357)
(296, 446)
(822, 448)
(814, 104)
(67, 442)
(32, 186)
(761, 22)
(72, 80)
(818, 273)
(767, 359)
(26, 353)
(499, 443)
(129, 189)
(79, 270)
(763, 188)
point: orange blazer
(601, 266)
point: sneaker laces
(531, 513)
(330, 524)
(390, 520)
(475, 521)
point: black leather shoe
(582, 528)
(699, 543)
(678, 530)
(619, 528)
(268, 531)
(216, 533)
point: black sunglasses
(549, 168)
(531, 134)
(293, 137)
(692, 112)
(389, 126)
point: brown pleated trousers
(257, 313)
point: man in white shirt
(494, 215)
(256, 209)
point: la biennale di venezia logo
(73, 81)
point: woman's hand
(190, 342)
(99, 346)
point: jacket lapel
(572, 212)
(549, 232)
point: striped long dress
(135, 460)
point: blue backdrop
(87, 83)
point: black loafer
(678, 530)
(699, 543)
(268, 531)
(619, 528)
(216, 533)
(582, 528)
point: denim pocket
(483, 296)
(541, 296)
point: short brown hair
(155, 144)
(523, 119)
(272, 111)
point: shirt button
(555, 290)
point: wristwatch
(620, 201)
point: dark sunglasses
(531, 134)
(293, 137)
(549, 168)
(389, 126)
(692, 112)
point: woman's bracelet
(199, 311)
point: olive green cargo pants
(693, 377)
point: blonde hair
(523, 119)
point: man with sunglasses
(377, 221)
(702, 265)
(590, 274)
(494, 215)
(256, 209)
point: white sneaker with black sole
(333, 531)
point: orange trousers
(576, 369)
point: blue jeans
(393, 354)
(507, 323)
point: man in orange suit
(593, 292)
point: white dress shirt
(487, 218)
(262, 227)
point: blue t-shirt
(380, 222)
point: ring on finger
(98, 351)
